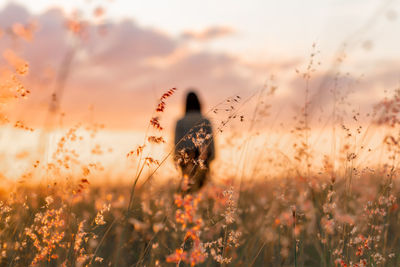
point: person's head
(192, 103)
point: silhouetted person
(194, 144)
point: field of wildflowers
(348, 217)
(293, 221)
(331, 212)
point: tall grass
(338, 213)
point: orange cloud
(122, 73)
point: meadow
(308, 205)
(305, 215)
(290, 221)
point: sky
(130, 55)
(221, 48)
(261, 28)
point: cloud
(355, 92)
(13, 13)
(119, 72)
(127, 43)
(208, 33)
(123, 71)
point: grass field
(308, 182)
(353, 221)
(307, 215)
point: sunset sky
(258, 28)
(222, 48)
(136, 50)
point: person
(194, 145)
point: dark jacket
(194, 136)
